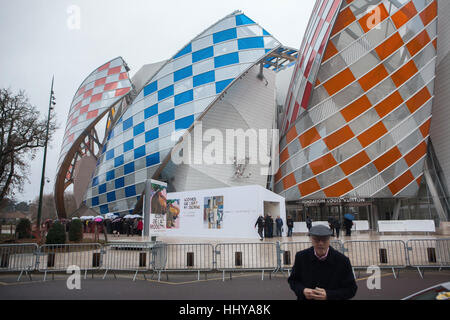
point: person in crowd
(321, 272)
(337, 226)
(270, 227)
(108, 225)
(129, 226)
(348, 224)
(135, 225)
(290, 225)
(140, 227)
(266, 226)
(260, 224)
(308, 223)
(279, 223)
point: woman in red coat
(140, 226)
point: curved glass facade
(175, 96)
(96, 96)
(358, 126)
(100, 90)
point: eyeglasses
(320, 239)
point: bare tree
(48, 206)
(70, 204)
(21, 134)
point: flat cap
(320, 231)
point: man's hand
(319, 294)
(309, 295)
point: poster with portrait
(158, 207)
(213, 212)
(173, 214)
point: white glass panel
(166, 105)
(202, 43)
(165, 81)
(204, 91)
(249, 31)
(225, 47)
(184, 110)
(182, 62)
(166, 129)
(203, 66)
(225, 73)
(183, 86)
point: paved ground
(242, 286)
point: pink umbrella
(98, 220)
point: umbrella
(98, 220)
(98, 217)
(75, 218)
(349, 216)
(136, 216)
(128, 216)
(117, 220)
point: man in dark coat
(260, 224)
(266, 226)
(290, 225)
(270, 227)
(308, 223)
(337, 226)
(321, 272)
(279, 223)
(348, 224)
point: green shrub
(56, 234)
(76, 231)
(23, 229)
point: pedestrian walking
(129, 226)
(348, 224)
(270, 227)
(140, 227)
(337, 226)
(321, 272)
(260, 224)
(279, 224)
(266, 226)
(290, 225)
(308, 223)
(135, 225)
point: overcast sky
(40, 38)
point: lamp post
(50, 107)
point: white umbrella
(136, 216)
(128, 216)
(98, 217)
(75, 218)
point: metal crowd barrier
(225, 257)
(127, 257)
(18, 257)
(246, 256)
(194, 257)
(338, 245)
(59, 257)
(428, 253)
(384, 254)
(288, 251)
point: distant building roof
(14, 215)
